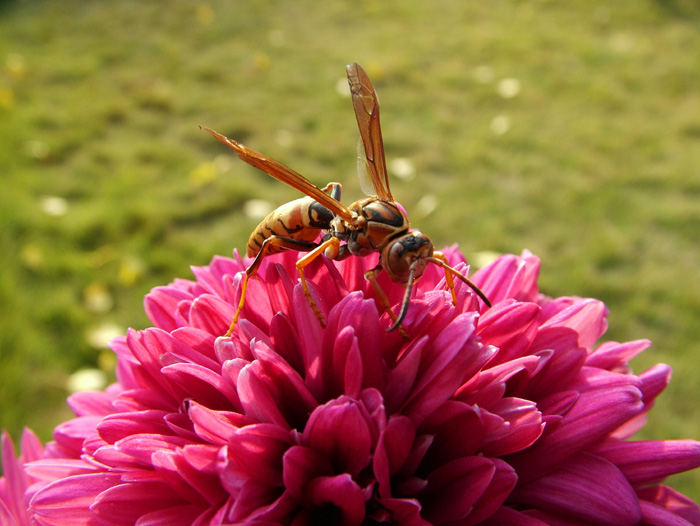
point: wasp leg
(440, 259)
(271, 245)
(371, 276)
(448, 276)
(331, 247)
(333, 189)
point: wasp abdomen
(301, 219)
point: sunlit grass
(568, 128)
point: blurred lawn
(569, 128)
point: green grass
(100, 105)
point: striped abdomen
(301, 219)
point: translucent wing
(366, 104)
(284, 174)
(366, 181)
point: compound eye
(402, 253)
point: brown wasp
(373, 224)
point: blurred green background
(568, 128)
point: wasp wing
(366, 182)
(366, 104)
(284, 174)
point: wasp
(370, 225)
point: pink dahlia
(511, 415)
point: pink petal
(211, 314)
(595, 414)
(443, 369)
(49, 470)
(283, 339)
(611, 355)
(14, 483)
(140, 447)
(403, 376)
(361, 316)
(120, 425)
(510, 326)
(258, 401)
(392, 450)
(255, 453)
(173, 516)
(255, 502)
(522, 426)
(588, 488)
(557, 374)
(310, 339)
(147, 347)
(72, 434)
(342, 495)
(341, 431)
(509, 517)
(301, 466)
(67, 502)
(653, 515)
(216, 427)
(93, 403)
(487, 387)
(654, 381)
(7, 516)
(207, 281)
(286, 387)
(671, 500)
(133, 500)
(403, 511)
(198, 346)
(500, 488)
(192, 474)
(454, 488)
(257, 308)
(458, 430)
(586, 317)
(200, 383)
(510, 277)
(160, 303)
(644, 462)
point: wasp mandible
(373, 224)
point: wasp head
(406, 257)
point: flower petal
(454, 488)
(595, 414)
(586, 316)
(67, 501)
(255, 453)
(161, 303)
(133, 500)
(649, 461)
(392, 450)
(443, 370)
(341, 430)
(511, 326)
(670, 500)
(510, 277)
(301, 466)
(337, 500)
(587, 488)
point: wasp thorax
(405, 253)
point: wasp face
(407, 253)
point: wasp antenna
(463, 278)
(406, 298)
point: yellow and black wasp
(373, 224)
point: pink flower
(504, 416)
